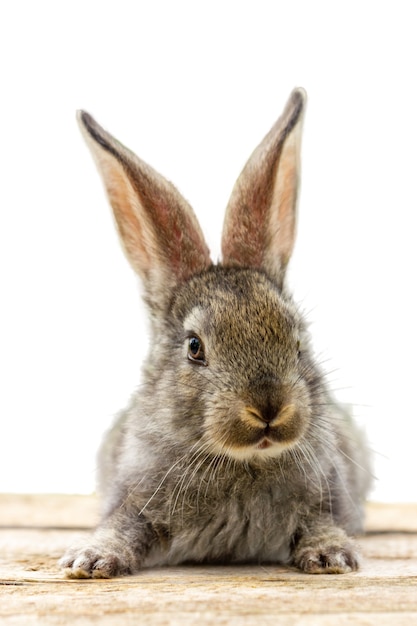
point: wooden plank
(74, 511)
(401, 516)
(34, 592)
(57, 510)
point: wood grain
(35, 530)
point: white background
(192, 87)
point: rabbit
(232, 450)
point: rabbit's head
(229, 364)
(241, 376)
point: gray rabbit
(232, 449)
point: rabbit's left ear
(259, 226)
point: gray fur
(241, 455)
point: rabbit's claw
(93, 563)
(330, 559)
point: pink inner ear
(188, 253)
(168, 226)
(158, 228)
(259, 226)
(178, 243)
(246, 229)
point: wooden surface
(35, 530)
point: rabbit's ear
(259, 226)
(160, 233)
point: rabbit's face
(240, 383)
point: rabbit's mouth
(264, 444)
(250, 435)
(269, 439)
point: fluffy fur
(232, 450)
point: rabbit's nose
(270, 412)
(267, 414)
(267, 397)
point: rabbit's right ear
(159, 231)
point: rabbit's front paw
(328, 559)
(91, 562)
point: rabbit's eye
(196, 350)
